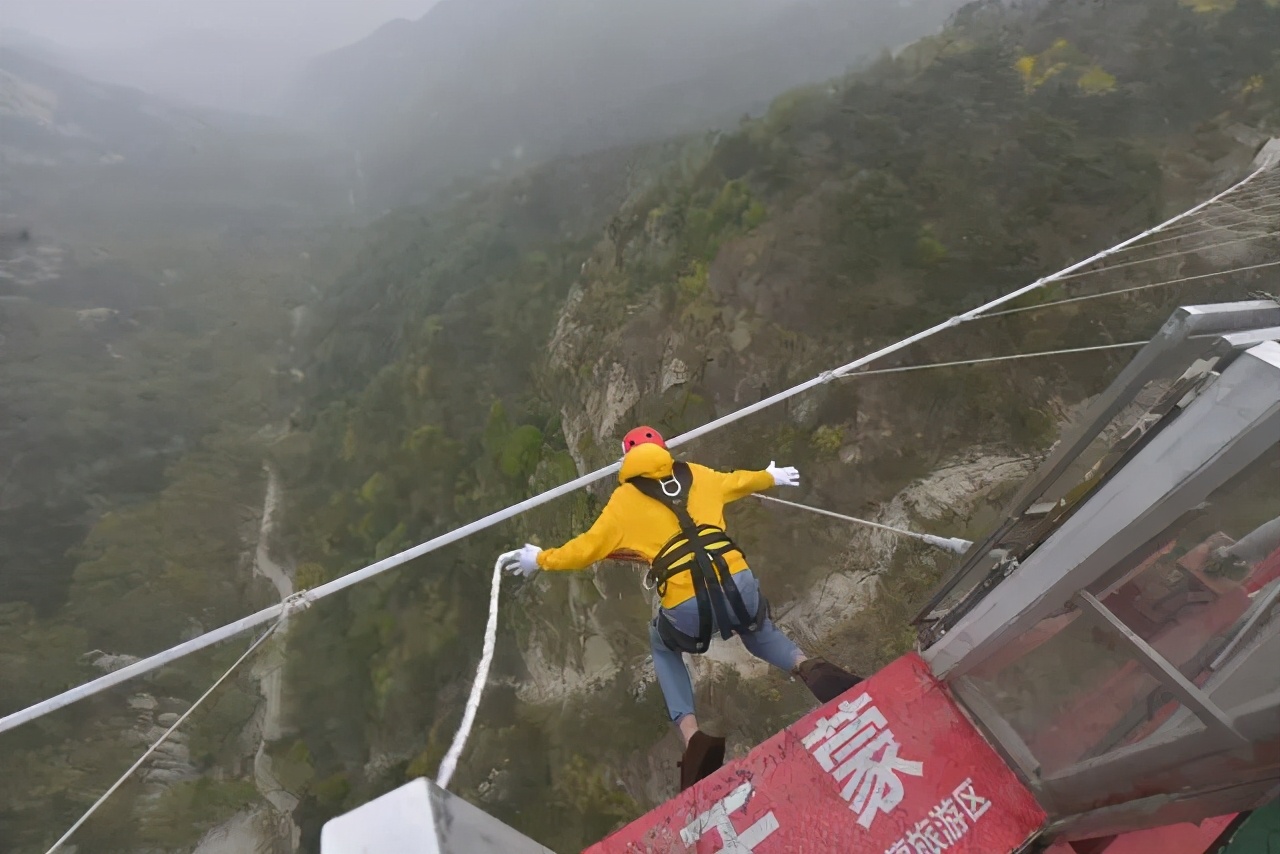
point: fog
(408, 96)
(226, 54)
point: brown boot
(702, 756)
(824, 679)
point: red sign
(891, 767)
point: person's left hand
(523, 561)
(785, 476)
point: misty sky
(306, 24)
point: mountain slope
(54, 115)
(472, 84)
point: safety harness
(713, 585)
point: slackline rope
(955, 545)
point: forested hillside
(447, 360)
(152, 270)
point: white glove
(786, 476)
(521, 561)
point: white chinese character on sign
(856, 746)
(970, 801)
(948, 819)
(945, 825)
(717, 818)
(924, 839)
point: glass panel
(1205, 595)
(1072, 689)
(1193, 589)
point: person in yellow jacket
(671, 515)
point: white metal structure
(422, 818)
(1103, 635)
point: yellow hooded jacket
(633, 522)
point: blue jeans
(767, 643)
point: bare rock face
(92, 317)
(553, 677)
(675, 373)
(617, 391)
(837, 596)
(730, 654)
(107, 662)
(171, 763)
(26, 263)
(955, 488)
(143, 702)
(252, 831)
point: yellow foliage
(1027, 68)
(1254, 83)
(1035, 70)
(1206, 6)
(1096, 81)
(827, 439)
(1060, 57)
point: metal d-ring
(672, 481)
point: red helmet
(642, 436)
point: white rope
(164, 737)
(266, 615)
(954, 545)
(1261, 195)
(1236, 223)
(1168, 255)
(1163, 284)
(1242, 210)
(450, 761)
(989, 359)
(1262, 188)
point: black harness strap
(698, 550)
